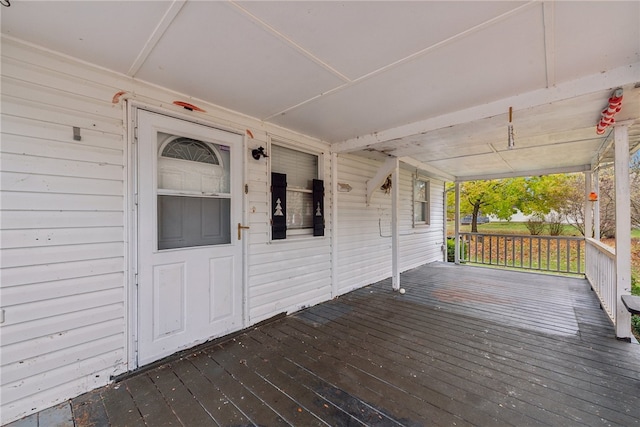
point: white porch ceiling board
(372, 35)
(595, 36)
(480, 67)
(483, 164)
(215, 52)
(105, 33)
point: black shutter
(278, 206)
(318, 207)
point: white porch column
(395, 226)
(588, 206)
(334, 225)
(596, 205)
(457, 224)
(623, 229)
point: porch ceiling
(430, 82)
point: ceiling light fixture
(511, 143)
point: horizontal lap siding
(285, 275)
(62, 236)
(364, 232)
(421, 244)
(364, 250)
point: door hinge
(246, 189)
(135, 199)
(135, 279)
(135, 134)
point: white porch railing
(557, 254)
(601, 274)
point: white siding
(62, 236)
(364, 232)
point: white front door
(189, 261)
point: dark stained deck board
(463, 346)
(468, 372)
(292, 412)
(252, 407)
(120, 406)
(154, 408)
(343, 386)
(179, 398)
(89, 410)
(522, 345)
(272, 367)
(457, 387)
(207, 395)
(447, 398)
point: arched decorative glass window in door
(194, 200)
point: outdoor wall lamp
(593, 197)
(256, 153)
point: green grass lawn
(509, 228)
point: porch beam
(623, 229)
(437, 173)
(383, 172)
(532, 172)
(596, 82)
(395, 225)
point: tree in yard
(574, 207)
(536, 195)
(487, 197)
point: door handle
(240, 228)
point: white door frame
(130, 220)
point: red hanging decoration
(615, 104)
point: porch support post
(596, 205)
(457, 224)
(623, 229)
(395, 226)
(588, 206)
(334, 225)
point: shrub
(555, 221)
(535, 225)
(451, 250)
(635, 325)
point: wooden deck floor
(464, 346)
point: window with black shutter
(297, 199)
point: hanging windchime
(511, 140)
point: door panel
(189, 263)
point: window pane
(190, 149)
(188, 165)
(301, 168)
(193, 221)
(421, 190)
(419, 212)
(299, 210)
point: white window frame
(281, 142)
(427, 202)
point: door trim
(130, 221)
